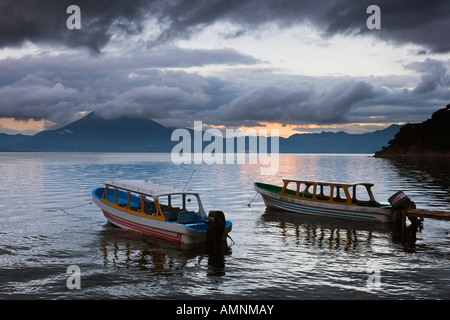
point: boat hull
(360, 213)
(194, 233)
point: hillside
(430, 138)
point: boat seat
(186, 217)
(149, 208)
(171, 214)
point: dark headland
(429, 139)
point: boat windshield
(181, 207)
(181, 202)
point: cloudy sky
(296, 65)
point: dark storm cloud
(295, 105)
(401, 103)
(434, 75)
(56, 88)
(130, 81)
(81, 68)
(45, 21)
(332, 100)
(425, 23)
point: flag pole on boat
(188, 180)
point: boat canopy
(146, 187)
(328, 183)
(333, 196)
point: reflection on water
(128, 249)
(336, 234)
(275, 255)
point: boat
(160, 211)
(331, 199)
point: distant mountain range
(338, 142)
(93, 133)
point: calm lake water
(48, 224)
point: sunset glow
(13, 126)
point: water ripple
(47, 224)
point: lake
(48, 223)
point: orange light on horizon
(287, 130)
(284, 130)
(24, 126)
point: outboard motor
(400, 201)
(216, 227)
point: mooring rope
(250, 204)
(69, 208)
(228, 236)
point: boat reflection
(335, 234)
(130, 250)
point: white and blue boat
(164, 212)
(330, 199)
